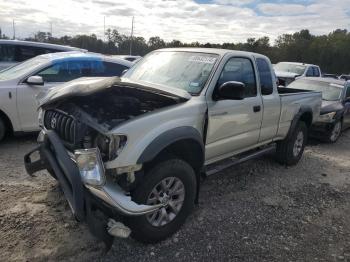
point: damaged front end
(75, 142)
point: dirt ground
(258, 211)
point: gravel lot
(258, 211)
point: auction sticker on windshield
(202, 59)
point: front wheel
(289, 151)
(173, 184)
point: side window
(25, 52)
(265, 75)
(310, 72)
(240, 70)
(7, 53)
(65, 71)
(41, 51)
(316, 71)
(113, 69)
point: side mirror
(124, 71)
(35, 80)
(231, 90)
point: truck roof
(217, 51)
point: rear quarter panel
(291, 104)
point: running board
(226, 163)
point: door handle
(256, 109)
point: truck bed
(292, 100)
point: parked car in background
(131, 58)
(287, 72)
(142, 141)
(15, 51)
(21, 83)
(335, 110)
(344, 77)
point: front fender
(167, 138)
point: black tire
(142, 229)
(3, 129)
(285, 153)
(332, 135)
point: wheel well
(188, 150)
(7, 121)
(306, 118)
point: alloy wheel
(298, 144)
(171, 193)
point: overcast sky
(186, 20)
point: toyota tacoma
(129, 152)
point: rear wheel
(173, 184)
(289, 151)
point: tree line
(331, 51)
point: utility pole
(131, 36)
(14, 29)
(104, 29)
(51, 28)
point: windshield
(22, 68)
(183, 70)
(330, 91)
(286, 67)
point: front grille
(64, 125)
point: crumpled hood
(330, 106)
(286, 74)
(89, 85)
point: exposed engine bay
(82, 120)
(115, 105)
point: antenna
(132, 32)
(14, 29)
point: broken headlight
(327, 117)
(110, 146)
(41, 114)
(90, 166)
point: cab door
(234, 125)
(271, 100)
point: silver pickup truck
(129, 152)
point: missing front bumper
(55, 157)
